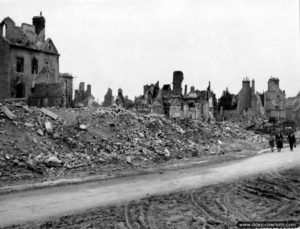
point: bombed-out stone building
(254, 106)
(29, 65)
(292, 109)
(123, 101)
(83, 98)
(173, 102)
(108, 98)
(274, 100)
(249, 104)
(24, 52)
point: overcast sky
(129, 43)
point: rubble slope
(38, 144)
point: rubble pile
(38, 142)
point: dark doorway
(20, 90)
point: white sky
(129, 43)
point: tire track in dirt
(271, 196)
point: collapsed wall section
(48, 95)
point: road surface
(40, 204)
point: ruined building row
(174, 102)
(255, 106)
(29, 65)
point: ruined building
(255, 107)
(227, 101)
(146, 101)
(108, 98)
(275, 100)
(29, 65)
(171, 102)
(292, 107)
(249, 106)
(83, 98)
(68, 81)
(122, 101)
(24, 52)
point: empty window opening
(34, 66)
(20, 64)
(4, 31)
(191, 105)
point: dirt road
(41, 204)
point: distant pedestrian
(272, 142)
(279, 141)
(292, 140)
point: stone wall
(48, 95)
(68, 80)
(275, 100)
(177, 81)
(293, 109)
(4, 69)
(244, 96)
(27, 77)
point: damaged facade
(275, 100)
(172, 102)
(83, 98)
(122, 101)
(108, 98)
(253, 106)
(249, 106)
(292, 107)
(29, 64)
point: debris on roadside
(91, 139)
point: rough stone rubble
(37, 142)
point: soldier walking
(292, 140)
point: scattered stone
(129, 160)
(167, 153)
(27, 124)
(49, 113)
(53, 161)
(40, 132)
(8, 113)
(141, 139)
(49, 127)
(55, 136)
(82, 127)
(26, 108)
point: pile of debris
(38, 142)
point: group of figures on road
(278, 139)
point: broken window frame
(20, 64)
